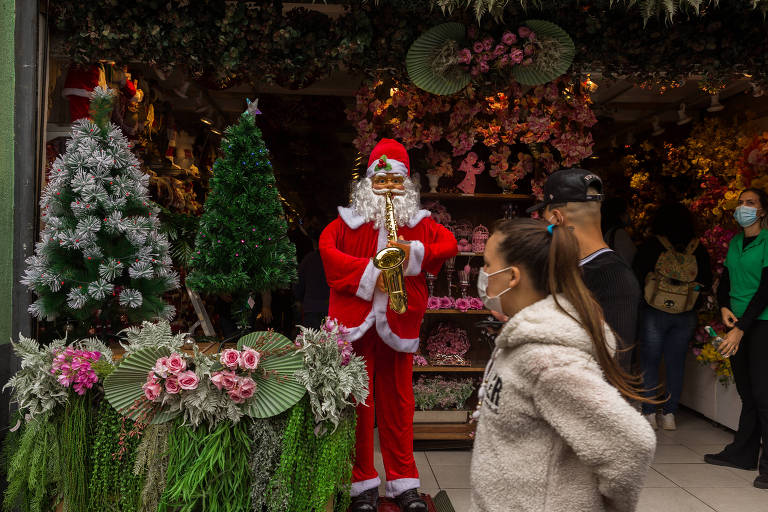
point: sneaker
(410, 501)
(652, 420)
(718, 459)
(368, 501)
(761, 482)
(668, 422)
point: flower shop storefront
(159, 376)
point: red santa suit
(78, 87)
(385, 339)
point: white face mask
(492, 303)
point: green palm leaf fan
(432, 60)
(278, 390)
(122, 388)
(554, 54)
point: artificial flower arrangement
(447, 345)
(706, 353)
(463, 303)
(548, 126)
(442, 393)
(489, 53)
(169, 427)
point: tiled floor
(677, 481)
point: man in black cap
(572, 198)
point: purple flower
(476, 303)
(499, 50)
(478, 47)
(516, 56)
(433, 303)
(509, 38)
(487, 44)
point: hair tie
(550, 228)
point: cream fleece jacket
(553, 434)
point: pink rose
(188, 380)
(176, 363)
(484, 68)
(478, 47)
(161, 367)
(528, 50)
(151, 391)
(235, 396)
(247, 387)
(524, 31)
(509, 38)
(499, 50)
(228, 379)
(230, 358)
(465, 56)
(487, 44)
(172, 385)
(433, 303)
(516, 56)
(249, 359)
(218, 379)
(151, 377)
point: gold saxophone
(390, 261)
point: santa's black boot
(410, 501)
(368, 501)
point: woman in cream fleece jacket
(553, 434)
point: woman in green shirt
(743, 298)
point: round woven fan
(553, 57)
(279, 390)
(122, 388)
(430, 56)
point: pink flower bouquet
(72, 367)
(171, 376)
(236, 379)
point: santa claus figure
(384, 338)
(78, 87)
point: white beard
(372, 207)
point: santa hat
(388, 156)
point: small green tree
(100, 252)
(242, 244)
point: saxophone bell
(390, 262)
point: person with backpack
(743, 298)
(555, 430)
(674, 269)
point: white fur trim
(354, 220)
(350, 217)
(416, 259)
(397, 487)
(398, 344)
(368, 281)
(359, 488)
(69, 91)
(398, 167)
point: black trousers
(750, 371)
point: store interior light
(215, 131)
(206, 120)
(392, 91)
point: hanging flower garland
(548, 126)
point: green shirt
(745, 267)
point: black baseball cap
(570, 186)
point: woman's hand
(730, 344)
(729, 319)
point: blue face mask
(745, 215)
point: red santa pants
(391, 390)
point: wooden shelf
(497, 197)
(443, 431)
(449, 369)
(457, 312)
(469, 254)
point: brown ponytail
(552, 262)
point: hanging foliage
(223, 42)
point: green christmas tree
(100, 253)
(242, 245)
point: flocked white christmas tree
(100, 252)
